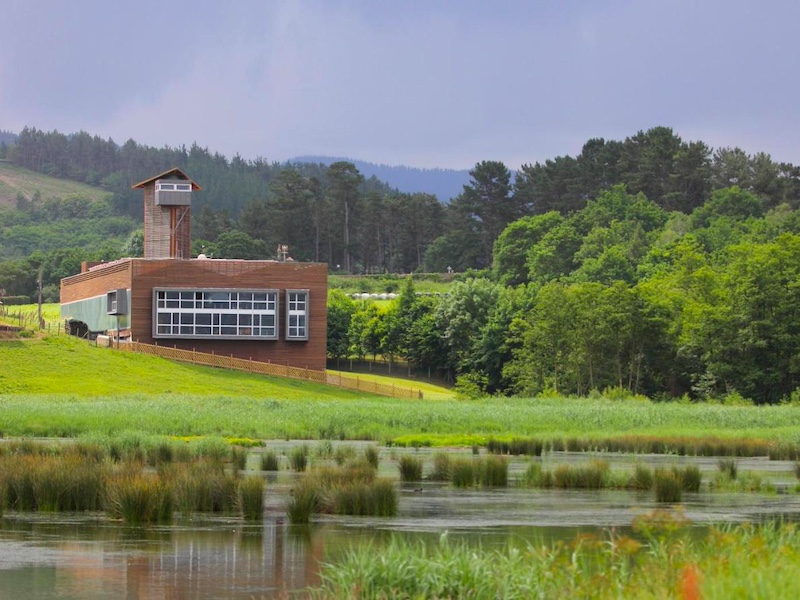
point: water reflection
(88, 557)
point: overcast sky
(421, 83)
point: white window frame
(216, 314)
(173, 186)
(297, 315)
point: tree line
(619, 295)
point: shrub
(269, 461)
(251, 498)
(410, 468)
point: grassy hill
(16, 180)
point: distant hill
(16, 180)
(445, 184)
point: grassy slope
(61, 386)
(16, 180)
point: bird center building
(263, 310)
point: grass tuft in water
(139, 498)
(298, 458)
(668, 485)
(269, 461)
(410, 468)
(250, 498)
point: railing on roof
(253, 366)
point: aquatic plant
(238, 457)
(642, 478)
(298, 458)
(410, 468)
(139, 498)
(464, 472)
(250, 497)
(371, 455)
(269, 461)
(441, 467)
(668, 485)
(728, 467)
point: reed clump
(442, 469)
(250, 497)
(202, 486)
(410, 468)
(350, 490)
(668, 485)
(298, 458)
(728, 467)
(238, 456)
(269, 461)
(372, 456)
(139, 498)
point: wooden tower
(168, 214)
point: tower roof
(172, 172)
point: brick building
(260, 309)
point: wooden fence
(254, 366)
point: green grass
(667, 560)
(16, 180)
(59, 386)
(431, 391)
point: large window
(296, 314)
(231, 314)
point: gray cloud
(421, 83)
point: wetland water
(87, 556)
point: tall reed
(410, 468)
(250, 497)
(139, 498)
(269, 461)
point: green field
(59, 386)
(16, 180)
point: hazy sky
(422, 83)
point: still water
(87, 556)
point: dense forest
(652, 264)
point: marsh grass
(202, 486)
(442, 469)
(464, 472)
(298, 458)
(139, 498)
(665, 560)
(642, 478)
(269, 461)
(410, 468)
(344, 454)
(728, 467)
(302, 504)
(238, 457)
(350, 490)
(593, 476)
(250, 498)
(668, 485)
(372, 456)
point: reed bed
(664, 560)
(88, 476)
(353, 489)
(681, 446)
(488, 471)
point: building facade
(258, 309)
